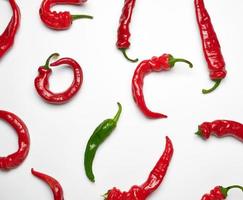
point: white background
(59, 133)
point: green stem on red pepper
(52, 56)
(123, 50)
(206, 91)
(75, 17)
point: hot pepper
(7, 37)
(59, 20)
(219, 193)
(53, 184)
(221, 128)
(156, 64)
(13, 160)
(211, 46)
(42, 82)
(155, 178)
(97, 138)
(123, 33)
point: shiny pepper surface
(59, 20)
(156, 64)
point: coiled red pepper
(8, 36)
(155, 178)
(123, 33)
(42, 82)
(13, 160)
(219, 193)
(53, 184)
(211, 46)
(156, 64)
(59, 20)
(221, 128)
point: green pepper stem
(226, 190)
(75, 17)
(206, 91)
(117, 116)
(123, 50)
(199, 133)
(173, 61)
(52, 56)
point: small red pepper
(219, 193)
(53, 184)
(211, 46)
(123, 33)
(13, 160)
(156, 64)
(42, 83)
(221, 128)
(155, 178)
(59, 20)
(7, 37)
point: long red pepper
(156, 64)
(219, 192)
(59, 20)
(8, 36)
(221, 128)
(53, 184)
(123, 33)
(13, 160)
(211, 46)
(155, 178)
(42, 82)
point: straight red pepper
(211, 46)
(53, 184)
(42, 83)
(8, 36)
(123, 33)
(154, 180)
(219, 192)
(221, 128)
(156, 64)
(59, 20)
(13, 160)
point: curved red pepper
(155, 178)
(219, 193)
(42, 83)
(53, 184)
(59, 20)
(211, 46)
(123, 33)
(221, 128)
(156, 64)
(13, 160)
(7, 37)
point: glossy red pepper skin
(155, 178)
(14, 160)
(156, 64)
(59, 20)
(123, 32)
(53, 184)
(42, 81)
(8, 36)
(210, 43)
(219, 192)
(221, 128)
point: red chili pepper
(7, 37)
(53, 184)
(221, 128)
(123, 33)
(13, 160)
(59, 20)
(155, 178)
(156, 64)
(211, 46)
(219, 193)
(42, 82)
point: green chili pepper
(98, 137)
